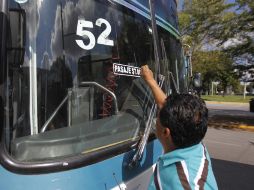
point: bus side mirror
(17, 37)
(197, 81)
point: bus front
(73, 105)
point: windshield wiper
(137, 156)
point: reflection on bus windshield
(77, 88)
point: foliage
(214, 66)
(217, 22)
(210, 26)
(240, 26)
(200, 20)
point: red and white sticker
(126, 70)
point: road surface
(231, 149)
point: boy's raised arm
(159, 95)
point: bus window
(173, 65)
(64, 99)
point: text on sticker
(127, 70)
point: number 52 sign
(102, 39)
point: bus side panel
(108, 174)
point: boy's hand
(147, 74)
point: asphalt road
(230, 145)
(232, 150)
(232, 175)
(228, 106)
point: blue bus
(75, 113)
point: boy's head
(182, 120)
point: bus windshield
(74, 86)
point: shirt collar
(178, 155)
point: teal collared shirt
(184, 169)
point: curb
(240, 127)
(246, 127)
(216, 102)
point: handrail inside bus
(68, 97)
(45, 126)
(105, 89)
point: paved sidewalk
(230, 115)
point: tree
(214, 66)
(199, 20)
(216, 26)
(229, 26)
(239, 26)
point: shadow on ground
(230, 175)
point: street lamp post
(212, 88)
(216, 84)
(244, 90)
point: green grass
(228, 98)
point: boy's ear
(166, 132)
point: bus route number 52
(102, 39)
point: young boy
(181, 125)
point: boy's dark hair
(186, 116)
